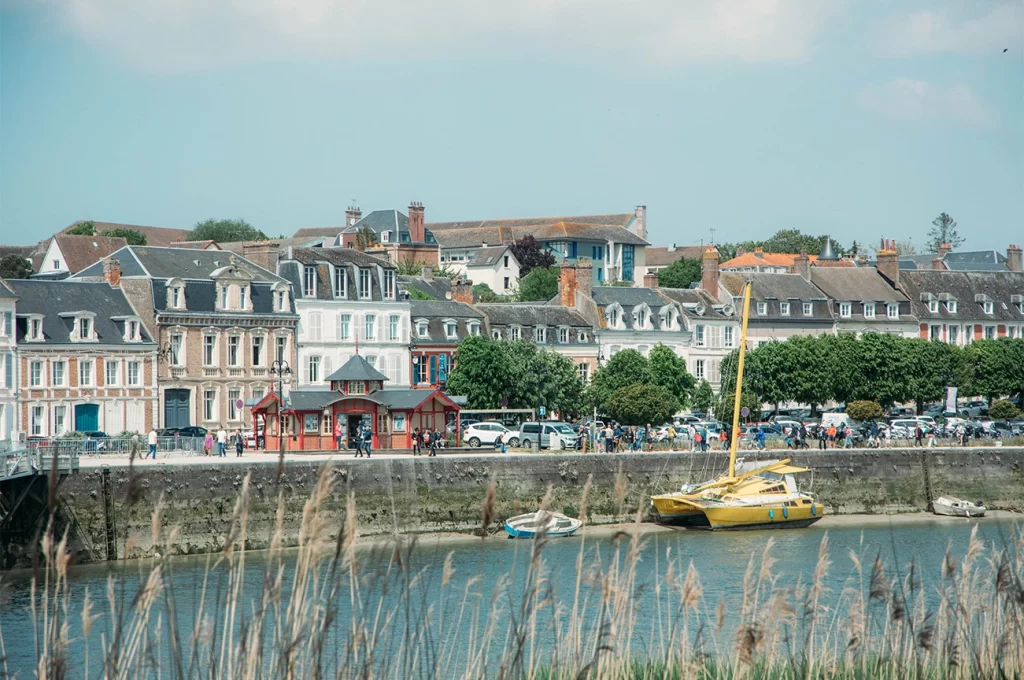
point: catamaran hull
(676, 512)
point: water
(720, 558)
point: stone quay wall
(446, 494)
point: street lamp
(280, 368)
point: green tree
(628, 367)
(225, 231)
(680, 274)
(640, 404)
(480, 373)
(884, 364)
(365, 238)
(531, 255)
(807, 377)
(540, 285)
(764, 373)
(133, 236)
(1003, 410)
(783, 241)
(995, 367)
(417, 294)
(83, 228)
(934, 366)
(842, 351)
(864, 410)
(726, 401)
(484, 293)
(943, 231)
(703, 397)
(14, 266)
(669, 371)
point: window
(641, 318)
(282, 347)
(698, 367)
(60, 418)
(422, 329)
(35, 328)
(784, 308)
(540, 334)
(506, 262)
(399, 422)
(234, 413)
(344, 326)
(892, 310)
(389, 284)
(282, 301)
(613, 318)
(808, 309)
(311, 422)
(699, 334)
(209, 404)
(56, 264)
(951, 306)
(762, 308)
(954, 334)
(257, 350)
(987, 306)
(474, 327)
(613, 350)
(515, 333)
(85, 372)
(869, 310)
(627, 263)
(58, 369)
(133, 374)
(845, 310)
(133, 331)
(933, 306)
(506, 283)
(393, 327)
(451, 330)
(309, 281)
(563, 336)
(112, 369)
(37, 421)
(597, 252)
(419, 370)
(176, 297)
(370, 327)
(581, 337)
(340, 282)
(728, 336)
(209, 350)
(385, 237)
(364, 284)
(36, 374)
(1011, 332)
(257, 393)
(935, 333)
(313, 369)
(990, 331)
(223, 297)
(243, 297)
(584, 370)
(176, 340)
(84, 328)
(356, 387)
(233, 343)
(315, 326)
(496, 334)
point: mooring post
(928, 493)
(108, 515)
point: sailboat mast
(739, 382)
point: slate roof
(774, 289)
(689, 299)
(487, 257)
(25, 251)
(438, 287)
(628, 299)
(663, 256)
(356, 368)
(581, 228)
(155, 236)
(166, 263)
(530, 315)
(393, 221)
(238, 247)
(292, 262)
(976, 261)
(1000, 287)
(52, 298)
(862, 284)
(195, 245)
(81, 251)
(436, 312)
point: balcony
(236, 372)
(211, 371)
(258, 372)
(178, 372)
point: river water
(497, 568)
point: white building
(8, 367)
(347, 303)
(495, 265)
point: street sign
(744, 411)
(543, 411)
(504, 402)
(239, 404)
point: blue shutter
(433, 369)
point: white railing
(37, 461)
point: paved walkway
(249, 457)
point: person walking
(822, 438)
(135, 446)
(208, 443)
(222, 442)
(931, 437)
(832, 436)
(367, 439)
(847, 437)
(239, 443)
(723, 437)
(435, 441)
(691, 430)
(609, 439)
(918, 435)
(417, 448)
(760, 438)
(357, 439)
(152, 444)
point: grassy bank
(314, 613)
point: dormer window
(515, 333)
(422, 328)
(35, 328)
(845, 310)
(808, 309)
(389, 284)
(784, 308)
(364, 284)
(563, 336)
(309, 281)
(987, 306)
(641, 318)
(176, 296)
(281, 302)
(762, 308)
(473, 327)
(496, 334)
(385, 237)
(892, 310)
(132, 331)
(933, 306)
(340, 282)
(243, 297)
(869, 310)
(84, 326)
(451, 329)
(581, 337)
(224, 295)
(540, 334)
(951, 306)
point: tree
(783, 241)
(627, 367)
(531, 254)
(703, 397)
(680, 274)
(540, 285)
(726, 402)
(484, 293)
(934, 366)
(864, 410)
(14, 266)
(640, 404)
(133, 236)
(365, 238)
(480, 373)
(83, 228)
(884, 364)
(1003, 410)
(225, 231)
(995, 366)
(417, 294)
(669, 371)
(943, 231)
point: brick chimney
(640, 223)
(802, 265)
(417, 232)
(263, 254)
(352, 215)
(427, 272)
(709, 272)
(462, 290)
(741, 251)
(889, 262)
(945, 249)
(584, 277)
(1013, 259)
(651, 279)
(567, 284)
(112, 272)
(937, 264)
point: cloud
(186, 34)
(996, 26)
(921, 101)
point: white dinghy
(957, 507)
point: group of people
(430, 441)
(221, 439)
(362, 439)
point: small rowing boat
(957, 507)
(542, 522)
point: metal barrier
(37, 461)
(117, 446)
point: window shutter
(433, 369)
(9, 369)
(8, 330)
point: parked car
(480, 433)
(785, 424)
(551, 435)
(973, 409)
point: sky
(729, 119)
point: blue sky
(860, 119)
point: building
(86, 361)
(495, 266)
(220, 321)
(614, 243)
(66, 255)
(964, 261)
(426, 284)
(393, 235)
(657, 258)
(758, 261)
(862, 300)
(356, 396)
(8, 367)
(437, 329)
(711, 330)
(348, 304)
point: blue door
(87, 417)
(176, 408)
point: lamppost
(280, 368)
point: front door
(87, 417)
(176, 408)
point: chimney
(352, 215)
(112, 272)
(709, 272)
(889, 262)
(802, 265)
(640, 221)
(937, 264)
(945, 249)
(741, 251)
(417, 233)
(651, 279)
(567, 284)
(263, 254)
(584, 278)
(427, 272)
(672, 248)
(1013, 259)
(462, 290)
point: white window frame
(60, 425)
(225, 297)
(37, 418)
(309, 280)
(581, 337)
(313, 368)
(473, 327)
(845, 310)
(316, 326)
(987, 307)
(389, 284)
(234, 343)
(540, 334)
(344, 326)
(340, 282)
(784, 309)
(451, 330)
(365, 284)
(35, 373)
(729, 336)
(808, 308)
(209, 405)
(892, 310)
(563, 335)
(111, 369)
(422, 329)
(584, 371)
(951, 306)
(394, 327)
(699, 335)
(496, 334)
(35, 328)
(869, 310)
(257, 349)
(370, 327)
(762, 308)
(234, 413)
(933, 306)
(63, 373)
(133, 379)
(698, 369)
(177, 344)
(86, 378)
(210, 361)
(515, 333)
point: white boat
(541, 522)
(957, 507)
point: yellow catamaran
(764, 497)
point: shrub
(1003, 410)
(86, 228)
(864, 410)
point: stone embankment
(445, 494)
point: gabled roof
(436, 313)
(336, 256)
(81, 251)
(318, 232)
(627, 297)
(442, 309)
(474, 233)
(1000, 287)
(487, 257)
(155, 236)
(436, 287)
(531, 314)
(662, 257)
(693, 300)
(167, 263)
(855, 284)
(356, 368)
(774, 289)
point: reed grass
(318, 612)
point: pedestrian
(832, 436)
(222, 442)
(918, 435)
(435, 441)
(723, 437)
(135, 446)
(367, 439)
(692, 432)
(152, 444)
(847, 437)
(416, 446)
(357, 440)
(239, 443)
(208, 443)
(339, 435)
(760, 438)
(609, 439)
(698, 440)
(931, 438)
(822, 438)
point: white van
(557, 436)
(837, 419)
